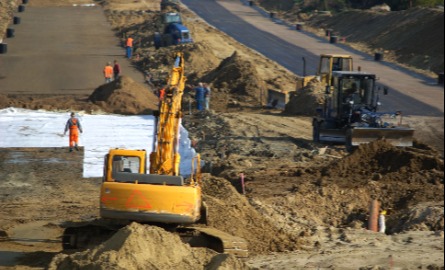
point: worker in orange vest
(129, 47)
(74, 126)
(108, 73)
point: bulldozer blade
(401, 137)
(332, 136)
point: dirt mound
(125, 96)
(158, 250)
(399, 178)
(307, 100)
(236, 76)
(198, 56)
(381, 157)
(231, 212)
(240, 73)
(422, 217)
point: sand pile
(238, 77)
(422, 217)
(125, 96)
(399, 178)
(232, 213)
(146, 248)
(307, 100)
(381, 157)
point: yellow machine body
(134, 195)
(328, 64)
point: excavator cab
(350, 114)
(129, 193)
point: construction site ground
(306, 205)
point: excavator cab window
(325, 65)
(126, 164)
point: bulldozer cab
(330, 63)
(352, 90)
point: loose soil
(305, 204)
(125, 250)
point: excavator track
(214, 239)
(87, 236)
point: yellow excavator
(163, 197)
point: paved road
(60, 50)
(411, 93)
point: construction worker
(200, 96)
(116, 70)
(74, 126)
(207, 95)
(129, 47)
(108, 73)
(161, 94)
(382, 221)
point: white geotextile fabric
(34, 129)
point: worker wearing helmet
(74, 126)
(382, 221)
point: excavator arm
(165, 159)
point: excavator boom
(165, 159)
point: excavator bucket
(401, 137)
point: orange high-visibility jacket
(130, 42)
(108, 72)
(73, 125)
